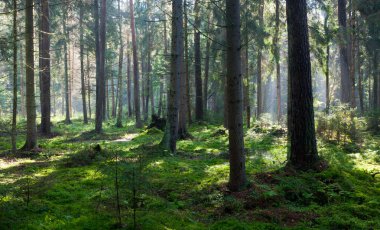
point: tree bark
(135, 69)
(260, 100)
(170, 137)
(83, 85)
(101, 80)
(198, 64)
(277, 58)
(237, 178)
(14, 112)
(31, 129)
(344, 68)
(119, 122)
(303, 146)
(67, 104)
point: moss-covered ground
(71, 184)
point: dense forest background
(189, 114)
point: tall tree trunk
(277, 58)
(344, 68)
(119, 122)
(186, 60)
(327, 67)
(83, 85)
(113, 100)
(198, 64)
(45, 68)
(360, 79)
(67, 104)
(14, 112)
(170, 137)
(260, 107)
(351, 48)
(234, 91)
(207, 72)
(303, 146)
(129, 88)
(88, 85)
(135, 68)
(22, 82)
(99, 102)
(31, 129)
(101, 80)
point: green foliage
(72, 185)
(339, 125)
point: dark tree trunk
(186, 64)
(170, 137)
(207, 72)
(83, 84)
(14, 112)
(198, 64)
(135, 69)
(119, 122)
(22, 82)
(129, 93)
(277, 58)
(344, 68)
(31, 129)
(67, 94)
(260, 106)
(45, 69)
(303, 146)
(88, 85)
(234, 91)
(101, 80)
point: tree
(101, 80)
(198, 64)
(31, 129)
(45, 68)
(81, 47)
(136, 90)
(66, 38)
(277, 59)
(119, 122)
(14, 112)
(169, 140)
(235, 97)
(260, 101)
(303, 146)
(344, 68)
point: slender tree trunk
(88, 85)
(22, 82)
(119, 122)
(31, 129)
(101, 80)
(344, 68)
(170, 137)
(67, 104)
(83, 85)
(186, 59)
(129, 92)
(327, 74)
(234, 91)
(277, 58)
(351, 49)
(207, 69)
(45, 69)
(99, 102)
(135, 69)
(198, 64)
(303, 146)
(259, 62)
(14, 114)
(113, 112)
(360, 80)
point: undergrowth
(122, 178)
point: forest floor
(72, 184)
